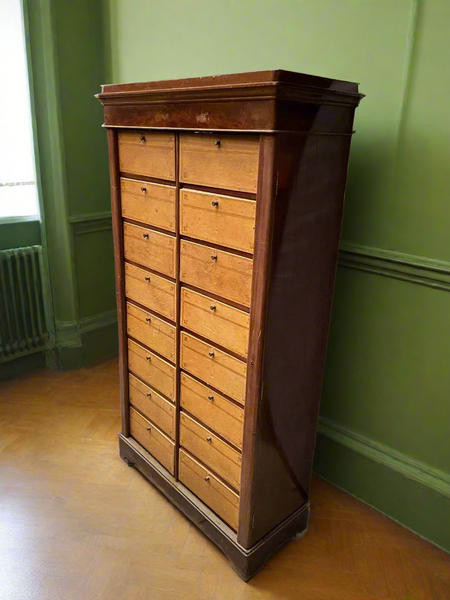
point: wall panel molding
(91, 222)
(420, 270)
(413, 469)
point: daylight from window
(18, 195)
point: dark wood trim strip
(217, 247)
(212, 130)
(216, 190)
(212, 388)
(217, 434)
(245, 562)
(152, 350)
(150, 311)
(135, 264)
(177, 303)
(215, 344)
(151, 387)
(147, 226)
(126, 175)
(194, 288)
(267, 184)
(119, 266)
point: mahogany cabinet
(227, 198)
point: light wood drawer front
(219, 369)
(222, 161)
(149, 203)
(153, 440)
(155, 371)
(212, 409)
(219, 272)
(216, 454)
(153, 406)
(219, 322)
(151, 331)
(149, 248)
(223, 220)
(150, 290)
(147, 153)
(213, 492)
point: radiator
(23, 327)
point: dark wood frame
(305, 126)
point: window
(18, 193)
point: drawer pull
(207, 478)
(211, 353)
(213, 256)
(149, 428)
(142, 138)
(147, 278)
(149, 394)
(210, 398)
(215, 203)
(148, 319)
(149, 358)
(217, 143)
(213, 307)
(209, 439)
(143, 189)
(145, 236)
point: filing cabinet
(227, 199)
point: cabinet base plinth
(245, 562)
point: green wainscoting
(383, 433)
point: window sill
(10, 220)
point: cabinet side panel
(116, 210)
(312, 173)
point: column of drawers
(217, 230)
(149, 237)
(209, 283)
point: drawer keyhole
(147, 278)
(215, 203)
(149, 358)
(207, 478)
(142, 138)
(148, 319)
(213, 307)
(149, 394)
(143, 189)
(210, 398)
(213, 256)
(145, 236)
(208, 439)
(211, 354)
(149, 428)
(217, 143)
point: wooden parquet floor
(77, 524)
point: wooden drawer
(153, 440)
(211, 450)
(222, 161)
(150, 290)
(153, 406)
(213, 492)
(219, 369)
(219, 272)
(147, 153)
(155, 371)
(150, 203)
(223, 220)
(215, 320)
(151, 331)
(212, 409)
(149, 248)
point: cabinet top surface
(246, 83)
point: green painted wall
(385, 410)
(67, 65)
